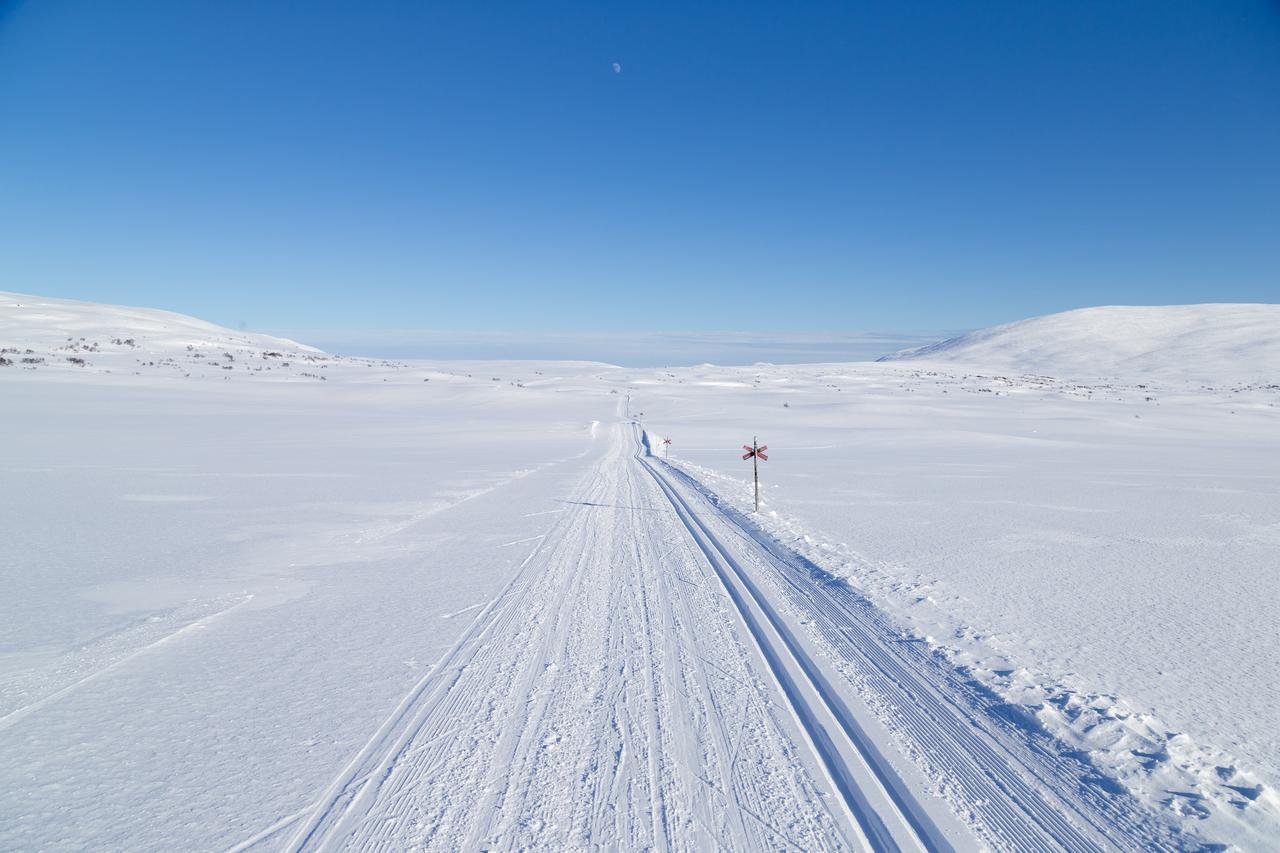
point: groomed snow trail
(661, 675)
(608, 697)
(1018, 788)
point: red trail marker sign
(756, 454)
(666, 447)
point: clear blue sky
(771, 166)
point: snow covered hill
(1210, 344)
(41, 333)
(47, 338)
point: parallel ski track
(654, 730)
(785, 658)
(1028, 792)
(617, 693)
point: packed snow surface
(264, 597)
(1213, 344)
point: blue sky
(366, 167)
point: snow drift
(1212, 344)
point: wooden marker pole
(755, 470)
(755, 454)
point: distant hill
(1212, 344)
(65, 334)
(43, 338)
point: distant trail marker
(666, 446)
(755, 454)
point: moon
(617, 68)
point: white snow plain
(244, 575)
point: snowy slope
(116, 336)
(1211, 344)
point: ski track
(16, 715)
(659, 673)
(606, 698)
(1020, 788)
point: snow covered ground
(283, 599)
(1103, 557)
